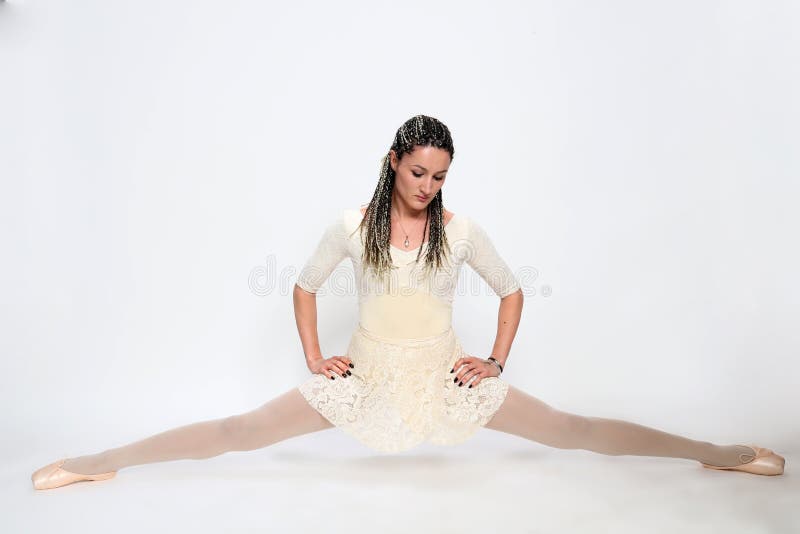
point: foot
(729, 456)
(758, 460)
(87, 465)
(53, 475)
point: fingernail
(333, 378)
(470, 385)
(455, 380)
(460, 384)
(349, 373)
(352, 366)
(453, 369)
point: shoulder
(334, 222)
(351, 217)
(348, 219)
(461, 219)
(474, 230)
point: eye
(437, 178)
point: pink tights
(289, 415)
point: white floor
(324, 483)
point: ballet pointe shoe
(53, 476)
(765, 462)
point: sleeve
(331, 250)
(484, 259)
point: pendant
(405, 243)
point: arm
(508, 317)
(485, 260)
(305, 315)
(330, 251)
(488, 263)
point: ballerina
(405, 378)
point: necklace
(405, 243)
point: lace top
(411, 302)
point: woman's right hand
(330, 367)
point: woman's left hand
(472, 368)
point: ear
(393, 160)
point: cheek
(403, 181)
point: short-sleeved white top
(412, 303)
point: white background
(155, 158)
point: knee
(572, 429)
(232, 429)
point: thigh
(526, 416)
(282, 417)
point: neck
(405, 211)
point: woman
(405, 378)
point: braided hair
(375, 227)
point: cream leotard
(401, 392)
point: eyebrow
(424, 169)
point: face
(419, 175)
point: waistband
(405, 341)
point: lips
(421, 198)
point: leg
(283, 417)
(528, 417)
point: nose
(426, 188)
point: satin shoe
(765, 462)
(53, 476)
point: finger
(464, 375)
(465, 369)
(466, 360)
(459, 362)
(477, 379)
(341, 368)
(459, 372)
(329, 372)
(347, 364)
(346, 360)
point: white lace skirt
(401, 393)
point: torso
(396, 239)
